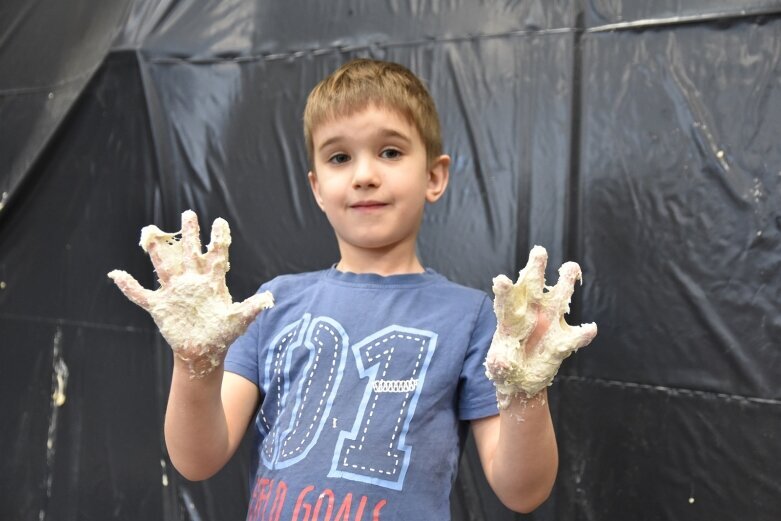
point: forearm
(523, 466)
(208, 410)
(196, 431)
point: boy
(361, 379)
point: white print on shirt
(297, 428)
(393, 361)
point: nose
(365, 174)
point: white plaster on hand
(193, 308)
(524, 356)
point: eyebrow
(382, 133)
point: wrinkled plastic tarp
(640, 139)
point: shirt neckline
(349, 278)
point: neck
(382, 261)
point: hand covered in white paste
(532, 337)
(193, 308)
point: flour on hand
(193, 308)
(520, 361)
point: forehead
(371, 121)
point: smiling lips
(368, 205)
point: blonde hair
(361, 83)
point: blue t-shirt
(366, 382)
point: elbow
(528, 502)
(192, 472)
(196, 475)
(194, 463)
(525, 505)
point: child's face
(372, 179)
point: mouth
(368, 205)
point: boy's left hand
(532, 338)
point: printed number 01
(394, 362)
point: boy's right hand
(193, 308)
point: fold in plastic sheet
(230, 137)
(99, 455)
(48, 53)
(607, 14)
(681, 206)
(95, 455)
(633, 451)
(241, 29)
(93, 191)
(649, 155)
(225, 139)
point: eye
(338, 159)
(390, 153)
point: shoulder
(473, 306)
(291, 282)
(460, 294)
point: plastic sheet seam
(683, 20)
(172, 60)
(43, 88)
(76, 323)
(669, 390)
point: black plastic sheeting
(640, 139)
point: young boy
(361, 380)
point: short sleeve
(476, 394)
(242, 357)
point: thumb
(131, 288)
(254, 305)
(577, 337)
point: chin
(372, 245)
(371, 242)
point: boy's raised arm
(518, 448)
(206, 420)
(208, 410)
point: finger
(131, 288)
(256, 303)
(191, 241)
(587, 333)
(561, 294)
(163, 250)
(502, 287)
(532, 276)
(217, 251)
(538, 256)
(250, 308)
(576, 337)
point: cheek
(332, 199)
(328, 189)
(417, 192)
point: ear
(438, 175)
(315, 186)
